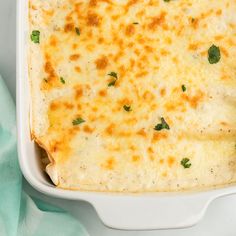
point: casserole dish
(122, 211)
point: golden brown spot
(103, 93)
(224, 123)
(115, 17)
(163, 92)
(194, 100)
(175, 60)
(49, 12)
(193, 46)
(157, 21)
(231, 42)
(137, 52)
(93, 3)
(219, 37)
(69, 27)
(170, 161)
(164, 174)
(131, 2)
(175, 105)
(157, 136)
(150, 150)
(49, 68)
(78, 69)
(224, 51)
(219, 12)
(110, 163)
(93, 20)
(101, 40)
(124, 134)
(132, 63)
(161, 161)
(54, 106)
(69, 17)
(61, 146)
(74, 57)
(133, 148)
(101, 63)
(110, 129)
(79, 107)
(87, 129)
(135, 158)
(94, 109)
(164, 52)
(53, 41)
(148, 96)
(141, 74)
(152, 158)
(168, 40)
(68, 105)
(50, 71)
(131, 121)
(194, 23)
(78, 92)
(74, 46)
(142, 132)
(124, 101)
(148, 48)
(130, 30)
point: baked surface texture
(134, 95)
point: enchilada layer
(135, 95)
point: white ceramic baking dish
(139, 212)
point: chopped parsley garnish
(162, 125)
(45, 80)
(185, 162)
(184, 88)
(113, 74)
(77, 30)
(166, 0)
(214, 54)
(78, 121)
(62, 80)
(113, 82)
(127, 108)
(35, 36)
(135, 23)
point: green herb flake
(185, 162)
(183, 88)
(62, 80)
(127, 108)
(162, 125)
(77, 30)
(166, 0)
(45, 80)
(135, 23)
(112, 83)
(114, 75)
(78, 121)
(35, 36)
(214, 54)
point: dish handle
(152, 212)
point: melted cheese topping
(153, 48)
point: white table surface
(220, 219)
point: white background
(220, 219)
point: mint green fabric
(19, 214)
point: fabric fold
(19, 214)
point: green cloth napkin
(19, 214)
